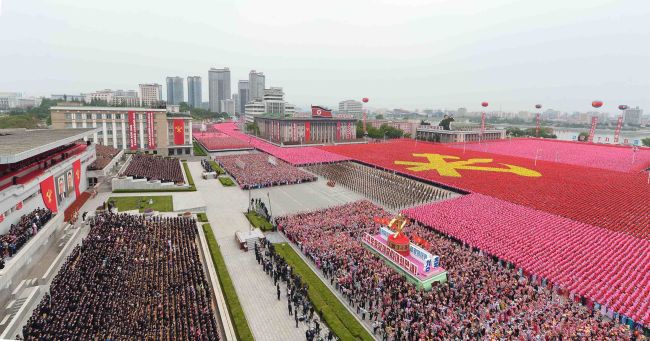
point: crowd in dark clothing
(207, 166)
(133, 278)
(258, 170)
(298, 303)
(20, 232)
(482, 298)
(389, 189)
(154, 167)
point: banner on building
(307, 131)
(294, 134)
(592, 131)
(151, 133)
(318, 111)
(133, 131)
(60, 187)
(349, 130)
(76, 169)
(537, 128)
(338, 131)
(69, 181)
(48, 194)
(617, 132)
(179, 131)
(482, 123)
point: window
(89, 116)
(118, 116)
(109, 116)
(78, 117)
(68, 116)
(68, 125)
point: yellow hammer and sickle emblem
(77, 174)
(48, 194)
(440, 164)
(179, 129)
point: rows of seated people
(151, 167)
(20, 232)
(133, 278)
(105, 155)
(480, 300)
(256, 170)
(18, 172)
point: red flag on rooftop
(318, 111)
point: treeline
(379, 133)
(544, 132)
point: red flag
(19, 205)
(133, 131)
(592, 131)
(48, 194)
(151, 138)
(307, 131)
(617, 132)
(318, 111)
(76, 171)
(338, 131)
(179, 131)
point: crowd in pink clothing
(616, 158)
(214, 140)
(606, 267)
(481, 300)
(256, 170)
(296, 156)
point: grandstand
(151, 167)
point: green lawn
(226, 181)
(216, 167)
(162, 203)
(190, 179)
(202, 217)
(258, 221)
(337, 317)
(198, 150)
(237, 316)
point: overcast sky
(399, 53)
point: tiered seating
(30, 168)
(610, 157)
(605, 198)
(105, 155)
(20, 233)
(296, 156)
(155, 168)
(132, 279)
(256, 171)
(481, 300)
(612, 269)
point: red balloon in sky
(597, 104)
(484, 104)
(538, 106)
(365, 100)
(622, 107)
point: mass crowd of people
(23, 230)
(482, 299)
(132, 278)
(257, 170)
(105, 155)
(151, 167)
(299, 305)
(389, 189)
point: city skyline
(439, 54)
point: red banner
(151, 133)
(592, 131)
(318, 111)
(617, 132)
(349, 130)
(338, 131)
(307, 131)
(48, 194)
(537, 129)
(482, 123)
(76, 171)
(294, 134)
(133, 131)
(179, 131)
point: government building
(306, 130)
(147, 130)
(459, 133)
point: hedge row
(329, 307)
(237, 316)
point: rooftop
(19, 144)
(106, 108)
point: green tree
(379, 117)
(646, 141)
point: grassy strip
(198, 149)
(337, 317)
(258, 221)
(216, 167)
(226, 181)
(202, 217)
(161, 203)
(237, 316)
(190, 179)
